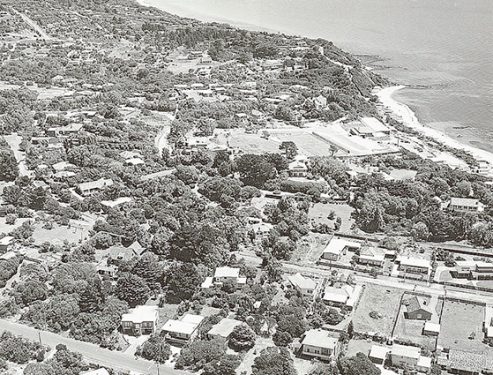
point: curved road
(92, 353)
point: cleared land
(319, 211)
(383, 301)
(467, 335)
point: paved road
(407, 285)
(91, 353)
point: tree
(9, 170)
(181, 281)
(255, 170)
(224, 366)
(282, 338)
(289, 148)
(132, 289)
(201, 352)
(273, 361)
(242, 338)
(357, 365)
(155, 349)
(333, 317)
(30, 291)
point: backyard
(383, 304)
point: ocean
(442, 50)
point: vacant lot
(59, 234)
(319, 212)
(382, 301)
(468, 334)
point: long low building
(337, 246)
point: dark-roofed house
(417, 308)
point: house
(372, 259)
(304, 284)
(297, 169)
(121, 253)
(104, 269)
(346, 296)
(92, 187)
(141, 320)
(488, 322)
(99, 371)
(431, 329)
(405, 356)
(473, 270)
(137, 248)
(378, 354)
(5, 243)
(320, 102)
(338, 246)
(182, 330)
(61, 166)
(465, 205)
(223, 274)
(224, 328)
(414, 265)
(134, 161)
(369, 127)
(416, 308)
(318, 344)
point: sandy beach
(410, 120)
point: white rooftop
(6, 240)
(405, 351)
(424, 362)
(320, 339)
(99, 371)
(432, 327)
(414, 262)
(378, 351)
(192, 318)
(141, 314)
(337, 245)
(227, 272)
(208, 282)
(177, 326)
(224, 327)
(302, 282)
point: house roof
(137, 248)
(415, 303)
(141, 314)
(467, 202)
(432, 327)
(340, 295)
(405, 351)
(302, 282)
(424, 362)
(192, 318)
(337, 245)
(6, 240)
(208, 282)
(320, 339)
(98, 184)
(99, 371)
(379, 352)
(227, 272)
(414, 262)
(224, 327)
(60, 166)
(177, 326)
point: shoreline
(409, 117)
(410, 120)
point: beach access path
(92, 353)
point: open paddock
(381, 300)
(467, 335)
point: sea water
(441, 49)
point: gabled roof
(337, 245)
(227, 272)
(415, 303)
(302, 282)
(467, 202)
(405, 351)
(141, 314)
(224, 327)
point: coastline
(410, 120)
(385, 95)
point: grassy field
(319, 211)
(384, 301)
(468, 334)
(59, 234)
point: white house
(90, 188)
(405, 356)
(224, 328)
(182, 330)
(378, 354)
(226, 273)
(297, 169)
(465, 204)
(337, 246)
(346, 296)
(140, 320)
(304, 284)
(317, 343)
(99, 371)
(5, 243)
(414, 265)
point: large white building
(304, 284)
(338, 246)
(318, 344)
(141, 320)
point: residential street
(91, 352)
